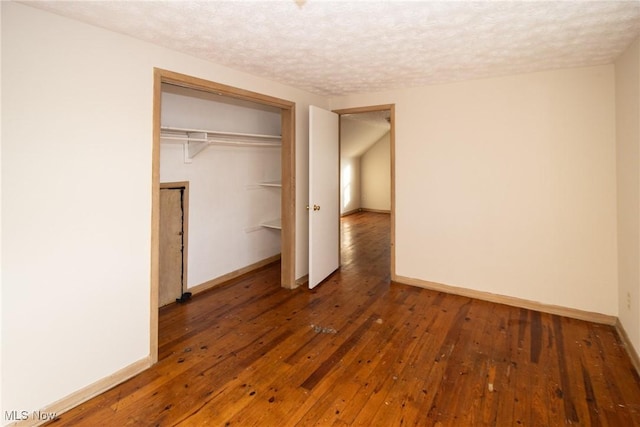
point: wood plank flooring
(359, 350)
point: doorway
(350, 171)
(287, 231)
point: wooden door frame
(392, 137)
(184, 186)
(287, 114)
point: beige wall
(375, 176)
(508, 185)
(628, 150)
(76, 217)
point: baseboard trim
(304, 280)
(385, 211)
(512, 301)
(631, 351)
(84, 394)
(351, 212)
(233, 275)
(355, 211)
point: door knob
(316, 207)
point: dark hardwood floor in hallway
(359, 350)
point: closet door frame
(287, 233)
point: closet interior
(229, 152)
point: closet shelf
(274, 223)
(271, 183)
(196, 140)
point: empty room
(189, 236)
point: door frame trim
(184, 186)
(392, 137)
(287, 114)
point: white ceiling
(338, 48)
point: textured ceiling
(346, 47)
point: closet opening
(234, 150)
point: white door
(324, 197)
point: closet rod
(243, 143)
(214, 141)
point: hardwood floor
(359, 350)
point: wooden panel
(361, 350)
(288, 201)
(171, 246)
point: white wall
(376, 176)
(628, 150)
(76, 217)
(349, 184)
(226, 204)
(508, 185)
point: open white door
(324, 196)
